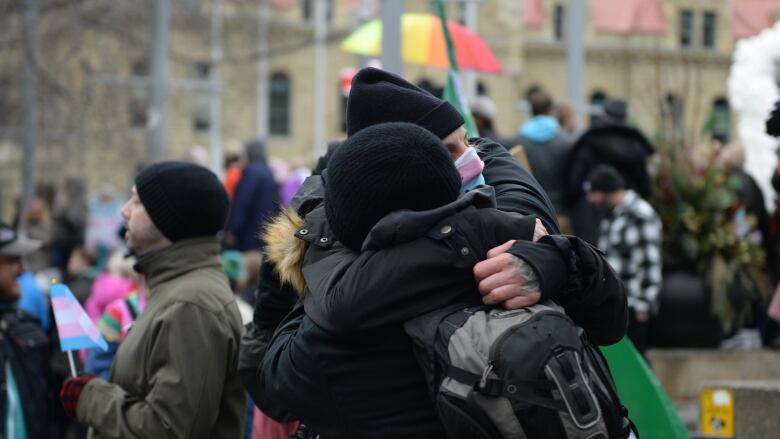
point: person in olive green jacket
(175, 374)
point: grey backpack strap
(565, 368)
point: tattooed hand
(506, 279)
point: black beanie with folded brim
(382, 169)
(183, 200)
(378, 96)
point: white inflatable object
(753, 91)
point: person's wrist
(71, 392)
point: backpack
(527, 373)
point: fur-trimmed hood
(286, 237)
(285, 250)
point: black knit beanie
(604, 178)
(184, 200)
(381, 169)
(378, 96)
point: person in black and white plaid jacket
(630, 236)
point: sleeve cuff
(549, 264)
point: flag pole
(453, 92)
(72, 364)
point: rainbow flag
(76, 329)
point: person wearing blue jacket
(256, 200)
(547, 148)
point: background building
(669, 58)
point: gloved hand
(70, 392)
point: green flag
(648, 405)
(453, 92)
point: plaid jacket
(631, 238)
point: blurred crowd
(81, 244)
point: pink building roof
(628, 16)
(749, 17)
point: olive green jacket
(175, 375)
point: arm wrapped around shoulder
(577, 276)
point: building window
(559, 23)
(279, 105)
(710, 29)
(201, 108)
(719, 120)
(5, 104)
(482, 89)
(307, 8)
(672, 112)
(139, 95)
(686, 28)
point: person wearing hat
(379, 97)
(547, 148)
(25, 348)
(393, 199)
(630, 236)
(483, 110)
(609, 141)
(175, 374)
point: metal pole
(320, 81)
(215, 125)
(575, 57)
(158, 113)
(30, 99)
(263, 23)
(392, 10)
(470, 76)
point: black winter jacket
(618, 145)
(303, 360)
(25, 346)
(367, 384)
(549, 163)
(516, 191)
(399, 276)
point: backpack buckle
(483, 381)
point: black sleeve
(274, 299)
(288, 385)
(576, 275)
(274, 302)
(401, 282)
(580, 162)
(516, 190)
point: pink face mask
(469, 165)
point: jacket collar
(406, 225)
(178, 259)
(397, 227)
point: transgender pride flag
(73, 324)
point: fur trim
(285, 250)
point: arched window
(279, 105)
(719, 120)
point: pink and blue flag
(76, 329)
